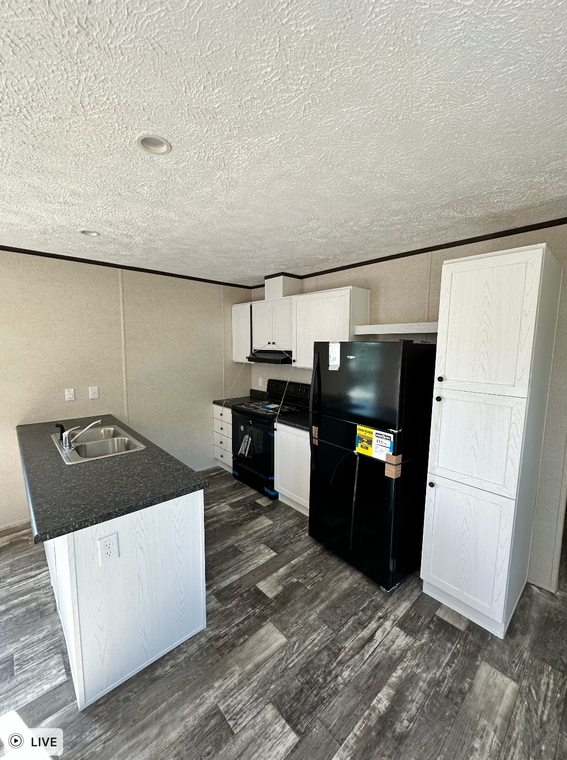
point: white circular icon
(15, 741)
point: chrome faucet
(66, 443)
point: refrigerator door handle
(354, 500)
(311, 401)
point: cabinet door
(322, 316)
(476, 438)
(466, 544)
(487, 317)
(240, 332)
(281, 322)
(292, 458)
(262, 329)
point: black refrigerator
(370, 417)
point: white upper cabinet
(240, 332)
(323, 316)
(262, 324)
(271, 324)
(477, 439)
(487, 321)
(295, 323)
(326, 316)
(282, 324)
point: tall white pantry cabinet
(497, 324)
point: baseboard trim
(18, 527)
(294, 504)
(492, 626)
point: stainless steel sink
(97, 443)
(118, 445)
(100, 433)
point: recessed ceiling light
(90, 233)
(154, 144)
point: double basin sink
(97, 443)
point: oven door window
(252, 443)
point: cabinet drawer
(476, 438)
(222, 442)
(223, 427)
(223, 455)
(466, 544)
(222, 413)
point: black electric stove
(253, 433)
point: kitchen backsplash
(277, 372)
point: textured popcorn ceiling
(305, 134)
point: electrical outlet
(260, 381)
(108, 548)
(93, 391)
(69, 394)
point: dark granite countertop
(64, 498)
(299, 420)
(230, 402)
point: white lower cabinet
(467, 539)
(292, 457)
(120, 616)
(222, 436)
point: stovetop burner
(266, 408)
(296, 397)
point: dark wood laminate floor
(302, 657)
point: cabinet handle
(440, 379)
(431, 484)
(294, 360)
(437, 398)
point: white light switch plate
(260, 381)
(69, 394)
(93, 391)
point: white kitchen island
(124, 540)
(121, 615)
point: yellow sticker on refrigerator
(374, 443)
(364, 439)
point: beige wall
(264, 372)
(157, 347)
(407, 290)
